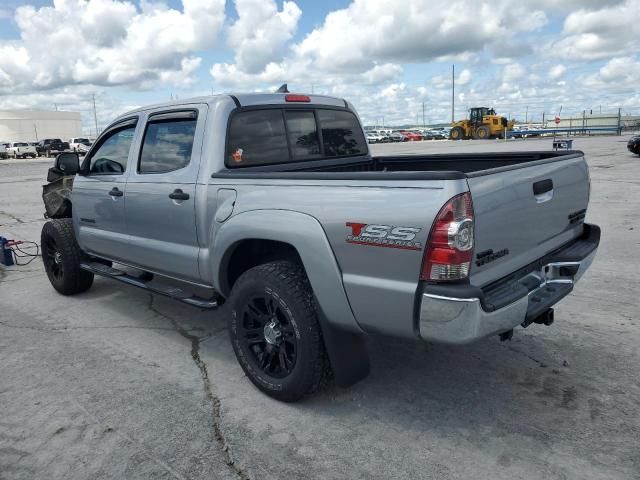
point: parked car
(427, 134)
(262, 213)
(21, 150)
(411, 136)
(79, 145)
(439, 134)
(374, 138)
(385, 137)
(3, 149)
(633, 145)
(396, 136)
(51, 146)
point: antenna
(283, 89)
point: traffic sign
(557, 120)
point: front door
(161, 194)
(98, 196)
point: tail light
(450, 246)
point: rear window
(303, 134)
(257, 137)
(271, 136)
(341, 134)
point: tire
(288, 360)
(457, 133)
(61, 256)
(482, 133)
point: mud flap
(347, 353)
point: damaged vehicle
(273, 204)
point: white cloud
(599, 34)
(366, 35)
(618, 74)
(513, 72)
(464, 78)
(382, 73)
(107, 42)
(261, 31)
(557, 71)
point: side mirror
(68, 163)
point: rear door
(98, 194)
(160, 210)
(524, 213)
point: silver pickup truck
(273, 204)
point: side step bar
(166, 290)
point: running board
(166, 290)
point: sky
(393, 60)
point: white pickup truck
(21, 150)
(79, 145)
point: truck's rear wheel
(61, 256)
(457, 133)
(275, 332)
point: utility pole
(453, 92)
(526, 114)
(35, 129)
(423, 124)
(311, 89)
(95, 113)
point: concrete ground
(116, 383)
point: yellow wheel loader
(482, 123)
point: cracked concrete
(116, 384)
(209, 390)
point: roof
(244, 99)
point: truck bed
(435, 166)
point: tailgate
(521, 214)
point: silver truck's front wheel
(61, 256)
(275, 332)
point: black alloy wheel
(268, 333)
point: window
(341, 133)
(257, 137)
(167, 145)
(111, 157)
(303, 134)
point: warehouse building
(34, 125)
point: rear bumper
(460, 314)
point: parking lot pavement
(116, 383)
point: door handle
(115, 192)
(178, 195)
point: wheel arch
(240, 243)
(278, 234)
